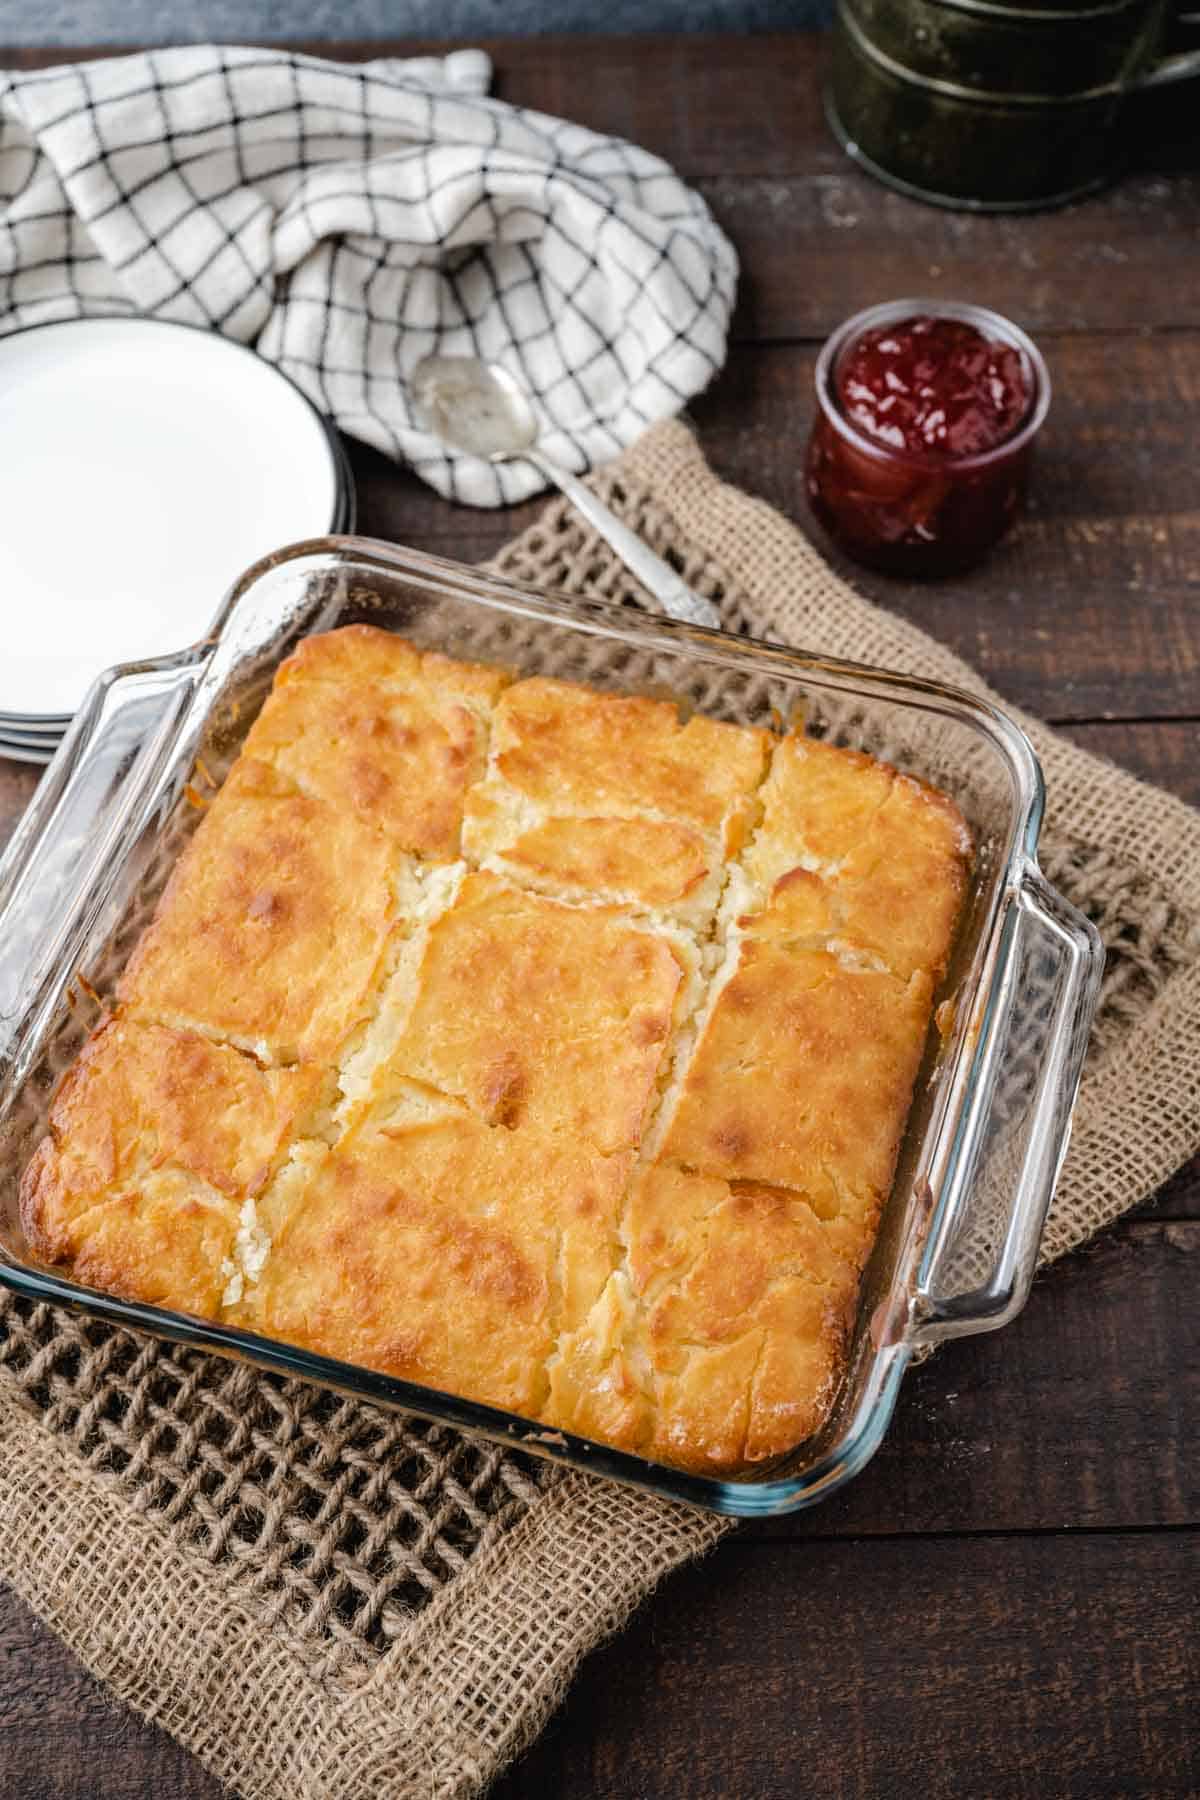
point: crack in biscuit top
(611, 798)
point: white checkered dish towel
(348, 220)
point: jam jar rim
(891, 312)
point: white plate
(29, 753)
(36, 734)
(147, 465)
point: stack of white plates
(26, 739)
(146, 466)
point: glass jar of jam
(927, 411)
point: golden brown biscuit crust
(273, 930)
(522, 1002)
(885, 857)
(157, 1139)
(467, 1250)
(802, 1074)
(523, 1041)
(362, 722)
(606, 797)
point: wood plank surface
(63, 1737)
(1004, 1603)
(1048, 1667)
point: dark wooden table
(1005, 1603)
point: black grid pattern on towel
(349, 220)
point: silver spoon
(479, 408)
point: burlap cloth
(320, 1599)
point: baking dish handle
(108, 773)
(981, 1255)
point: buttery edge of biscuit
(522, 1041)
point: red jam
(934, 387)
(906, 466)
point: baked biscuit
(884, 855)
(522, 1041)
(362, 722)
(747, 1306)
(273, 929)
(157, 1141)
(468, 1249)
(539, 1015)
(610, 797)
(801, 1078)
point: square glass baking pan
(991, 1114)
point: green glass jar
(990, 106)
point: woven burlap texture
(320, 1599)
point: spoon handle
(672, 593)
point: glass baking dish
(991, 1115)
